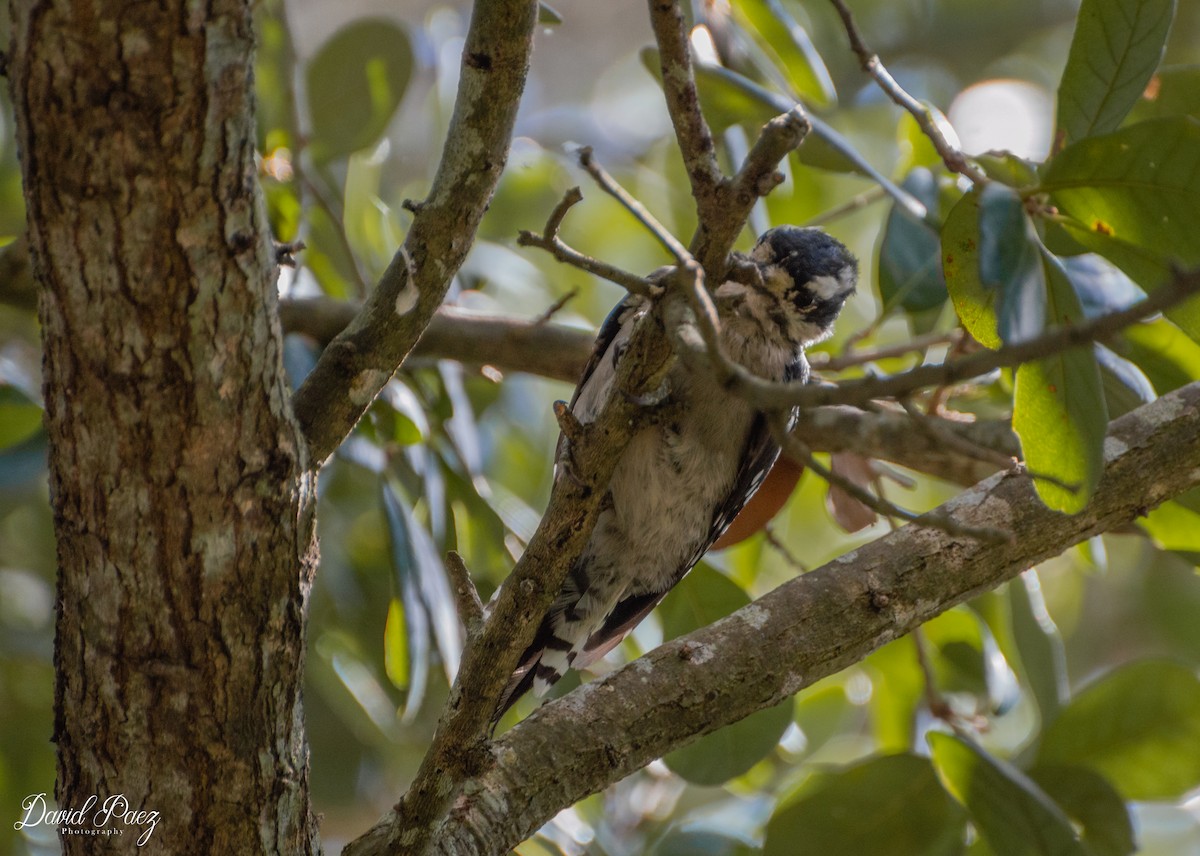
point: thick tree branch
(359, 361)
(807, 629)
(510, 344)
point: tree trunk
(183, 511)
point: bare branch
(683, 103)
(359, 361)
(551, 243)
(871, 64)
(510, 344)
(807, 629)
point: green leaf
(702, 597)
(1138, 726)
(20, 416)
(729, 752)
(782, 36)
(548, 16)
(1172, 92)
(823, 712)
(1040, 645)
(1175, 525)
(354, 85)
(1139, 185)
(1007, 168)
(1116, 48)
(1013, 814)
(879, 807)
(395, 646)
(1010, 264)
(910, 271)
(1168, 357)
(1093, 804)
(1059, 411)
(416, 619)
(975, 304)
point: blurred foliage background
(1081, 674)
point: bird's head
(809, 275)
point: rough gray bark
(182, 512)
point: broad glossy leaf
(1040, 645)
(1011, 812)
(879, 807)
(1093, 804)
(910, 270)
(1138, 726)
(1059, 410)
(1010, 263)
(729, 752)
(1116, 48)
(354, 85)
(1007, 168)
(548, 16)
(783, 36)
(975, 304)
(395, 646)
(702, 597)
(1140, 185)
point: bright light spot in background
(1014, 115)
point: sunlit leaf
(1011, 812)
(910, 254)
(784, 37)
(1139, 185)
(880, 807)
(395, 646)
(548, 16)
(1010, 263)
(1168, 357)
(1116, 48)
(354, 85)
(1059, 410)
(1175, 525)
(1138, 726)
(1172, 91)
(974, 303)
(1007, 168)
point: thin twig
(955, 160)
(788, 556)
(933, 520)
(770, 395)
(555, 307)
(829, 362)
(551, 243)
(854, 203)
(610, 186)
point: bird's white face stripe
(825, 287)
